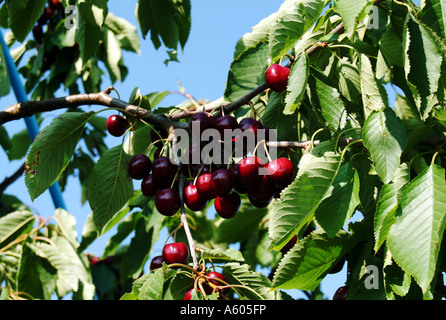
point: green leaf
(14, 224)
(247, 71)
(340, 202)
(352, 12)
(217, 255)
(349, 81)
(152, 289)
(374, 95)
(165, 19)
(297, 82)
(325, 96)
(309, 261)
(299, 201)
(89, 33)
(23, 16)
(294, 19)
(384, 136)
(414, 240)
(110, 186)
(125, 32)
(5, 85)
(52, 150)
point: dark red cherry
(204, 186)
(167, 201)
(263, 191)
(148, 186)
(157, 262)
(289, 244)
(226, 122)
(250, 124)
(214, 277)
(249, 170)
(203, 120)
(176, 252)
(341, 293)
(277, 77)
(192, 198)
(163, 171)
(222, 182)
(38, 33)
(188, 294)
(280, 171)
(139, 166)
(257, 203)
(227, 207)
(116, 125)
(156, 135)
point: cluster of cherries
(203, 183)
(178, 253)
(53, 13)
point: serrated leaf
(110, 185)
(52, 150)
(299, 201)
(307, 263)
(340, 202)
(294, 19)
(414, 240)
(352, 12)
(14, 224)
(349, 81)
(247, 71)
(217, 255)
(384, 136)
(297, 83)
(152, 289)
(23, 16)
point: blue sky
(202, 71)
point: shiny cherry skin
(188, 294)
(163, 171)
(204, 186)
(214, 277)
(227, 207)
(116, 125)
(157, 262)
(257, 203)
(277, 77)
(280, 171)
(167, 202)
(139, 166)
(225, 122)
(176, 252)
(341, 293)
(204, 120)
(223, 182)
(148, 186)
(192, 198)
(263, 191)
(289, 245)
(249, 170)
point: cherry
(163, 171)
(167, 202)
(176, 252)
(257, 203)
(192, 198)
(263, 191)
(222, 182)
(116, 125)
(148, 186)
(188, 294)
(214, 277)
(227, 207)
(204, 120)
(277, 77)
(250, 124)
(289, 245)
(249, 170)
(280, 171)
(38, 33)
(157, 262)
(204, 186)
(139, 166)
(225, 122)
(157, 134)
(341, 293)
(48, 12)
(338, 266)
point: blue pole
(31, 123)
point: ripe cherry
(167, 202)
(192, 198)
(204, 121)
(204, 186)
(341, 293)
(277, 77)
(116, 125)
(157, 262)
(250, 124)
(226, 122)
(249, 170)
(222, 182)
(176, 252)
(188, 294)
(289, 245)
(148, 186)
(262, 191)
(227, 207)
(163, 171)
(280, 171)
(257, 203)
(214, 278)
(139, 166)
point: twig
(10, 180)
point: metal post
(31, 123)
